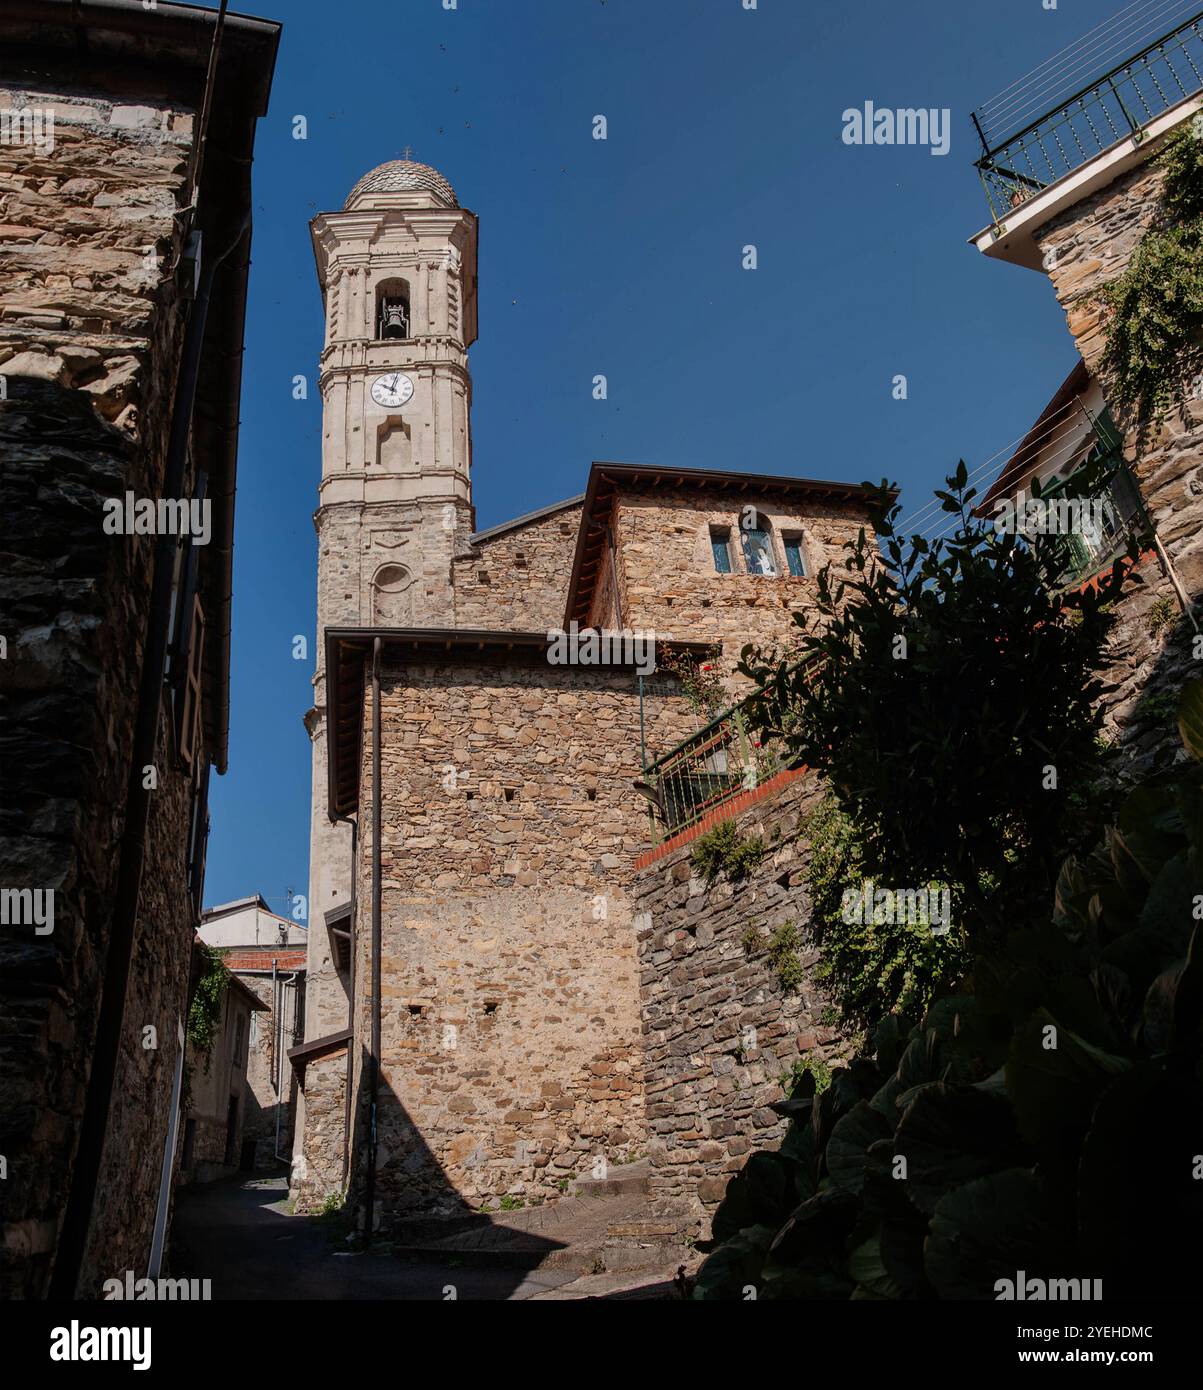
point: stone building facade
(115, 698)
(498, 903)
(266, 953)
(1082, 232)
(217, 1140)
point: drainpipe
(350, 1073)
(374, 1055)
(77, 1215)
(279, 1055)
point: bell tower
(397, 270)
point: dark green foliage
(723, 851)
(1155, 330)
(1049, 1121)
(871, 968)
(204, 1013)
(938, 694)
(783, 957)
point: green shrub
(813, 1067)
(1048, 1121)
(723, 851)
(871, 969)
(783, 957)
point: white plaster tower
(397, 268)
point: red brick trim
(727, 811)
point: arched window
(392, 597)
(392, 310)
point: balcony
(723, 761)
(1112, 113)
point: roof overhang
(1074, 385)
(301, 1056)
(607, 480)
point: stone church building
(479, 1020)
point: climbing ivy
(204, 1013)
(870, 968)
(1154, 346)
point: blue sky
(623, 257)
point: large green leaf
(813, 1243)
(735, 1266)
(762, 1193)
(1054, 1079)
(951, 1135)
(1190, 718)
(990, 1230)
(1166, 922)
(848, 1147)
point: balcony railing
(1115, 107)
(714, 765)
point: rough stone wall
(88, 336)
(510, 994)
(518, 581)
(263, 1100)
(719, 1033)
(216, 1076)
(668, 583)
(317, 1170)
(1084, 249)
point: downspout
(374, 1055)
(279, 1058)
(77, 1214)
(350, 1073)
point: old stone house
(216, 1141)
(1072, 196)
(266, 953)
(125, 199)
(475, 1025)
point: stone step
(626, 1178)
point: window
(239, 1040)
(392, 310)
(758, 551)
(190, 705)
(794, 559)
(720, 548)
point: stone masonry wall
(719, 1034)
(1084, 249)
(518, 580)
(89, 338)
(668, 583)
(510, 994)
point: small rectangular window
(794, 557)
(758, 551)
(720, 547)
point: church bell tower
(397, 269)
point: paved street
(238, 1233)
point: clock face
(392, 390)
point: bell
(394, 321)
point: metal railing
(1115, 107)
(715, 764)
